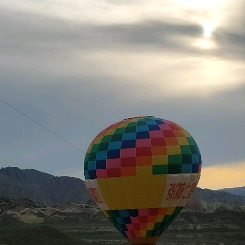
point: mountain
(218, 196)
(46, 188)
(41, 187)
(239, 191)
(205, 200)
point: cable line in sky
(40, 125)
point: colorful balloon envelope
(140, 172)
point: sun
(206, 41)
(208, 29)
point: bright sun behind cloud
(206, 42)
(208, 29)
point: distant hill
(239, 191)
(205, 200)
(41, 187)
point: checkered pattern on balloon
(141, 172)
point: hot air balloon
(140, 172)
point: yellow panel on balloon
(113, 193)
(123, 124)
(159, 218)
(110, 131)
(173, 149)
(128, 184)
(182, 141)
(185, 133)
(150, 226)
(143, 188)
(132, 192)
(156, 193)
(170, 210)
(98, 140)
(159, 160)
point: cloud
(77, 67)
(145, 52)
(169, 76)
(223, 176)
(156, 52)
(137, 25)
(98, 11)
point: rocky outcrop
(27, 211)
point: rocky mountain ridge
(239, 191)
(41, 187)
(207, 201)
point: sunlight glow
(223, 176)
(204, 43)
(210, 76)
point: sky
(76, 67)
